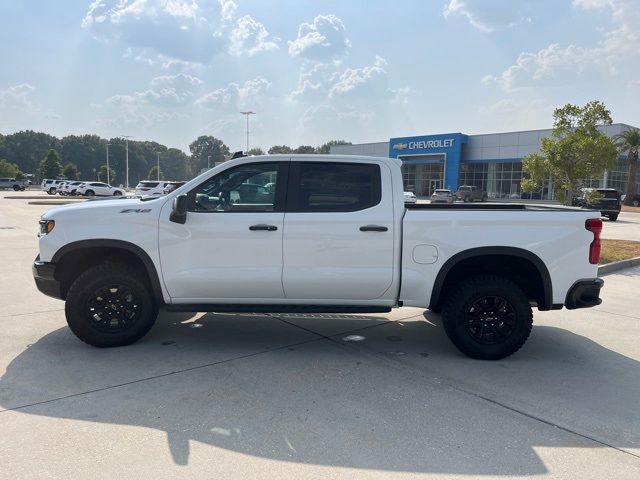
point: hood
(104, 206)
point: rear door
(338, 231)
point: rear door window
(333, 187)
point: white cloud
(233, 95)
(613, 55)
(176, 32)
(250, 36)
(321, 40)
(366, 81)
(488, 16)
(165, 91)
(17, 97)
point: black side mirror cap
(179, 210)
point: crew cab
(334, 235)
(13, 184)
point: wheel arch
(505, 261)
(75, 257)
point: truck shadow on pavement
(348, 391)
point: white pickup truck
(321, 234)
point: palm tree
(629, 141)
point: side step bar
(235, 308)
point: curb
(619, 265)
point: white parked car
(443, 196)
(410, 197)
(332, 237)
(98, 189)
(51, 186)
(151, 187)
(69, 188)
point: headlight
(46, 226)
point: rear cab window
(333, 187)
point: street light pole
(246, 114)
(208, 161)
(126, 138)
(158, 168)
(108, 181)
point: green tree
(305, 149)
(629, 142)
(102, 174)
(8, 169)
(206, 150)
(280, 149)
(325, 148)
(27, 148)
(255, 151)
(153, 173)
(575, 151)
(71, 171)
(50, 166)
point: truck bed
(491, 206)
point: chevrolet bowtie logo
(400, 146)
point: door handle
(262, 226)
(373, 228)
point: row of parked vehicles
(101, 189)
(80, 188)
(466, 193)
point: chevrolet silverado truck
(333, 235)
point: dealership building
(492, 162)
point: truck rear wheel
(613, 217)
(487, 317)
(110, 305)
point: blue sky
(171, 70)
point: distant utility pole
(158, 165)
(246, 114)
(126, 138)
(208, 161)
(108, 182)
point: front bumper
(44, 275)
(584, 293)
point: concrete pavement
(311, 396)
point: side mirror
(179, 210)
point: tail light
(594, 225)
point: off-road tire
(613, 217)
(458, 321)
(16, 188)
(83, 292)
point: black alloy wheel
(113, 308)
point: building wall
(490, 161)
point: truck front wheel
(487, 317)
(110, 305)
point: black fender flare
(150, 267)
(485, 251)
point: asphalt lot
(313, 396)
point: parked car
(50, 186)
(98, 189)
(171, 186)
(69, 188)
(471, 193)
(151, 187)
(410, 197)
(443, 196)
(335, 237)
(13, 184)
(608, 201)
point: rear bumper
(44, 276)
(584, 293)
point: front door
(230, 247)
(338, 231)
